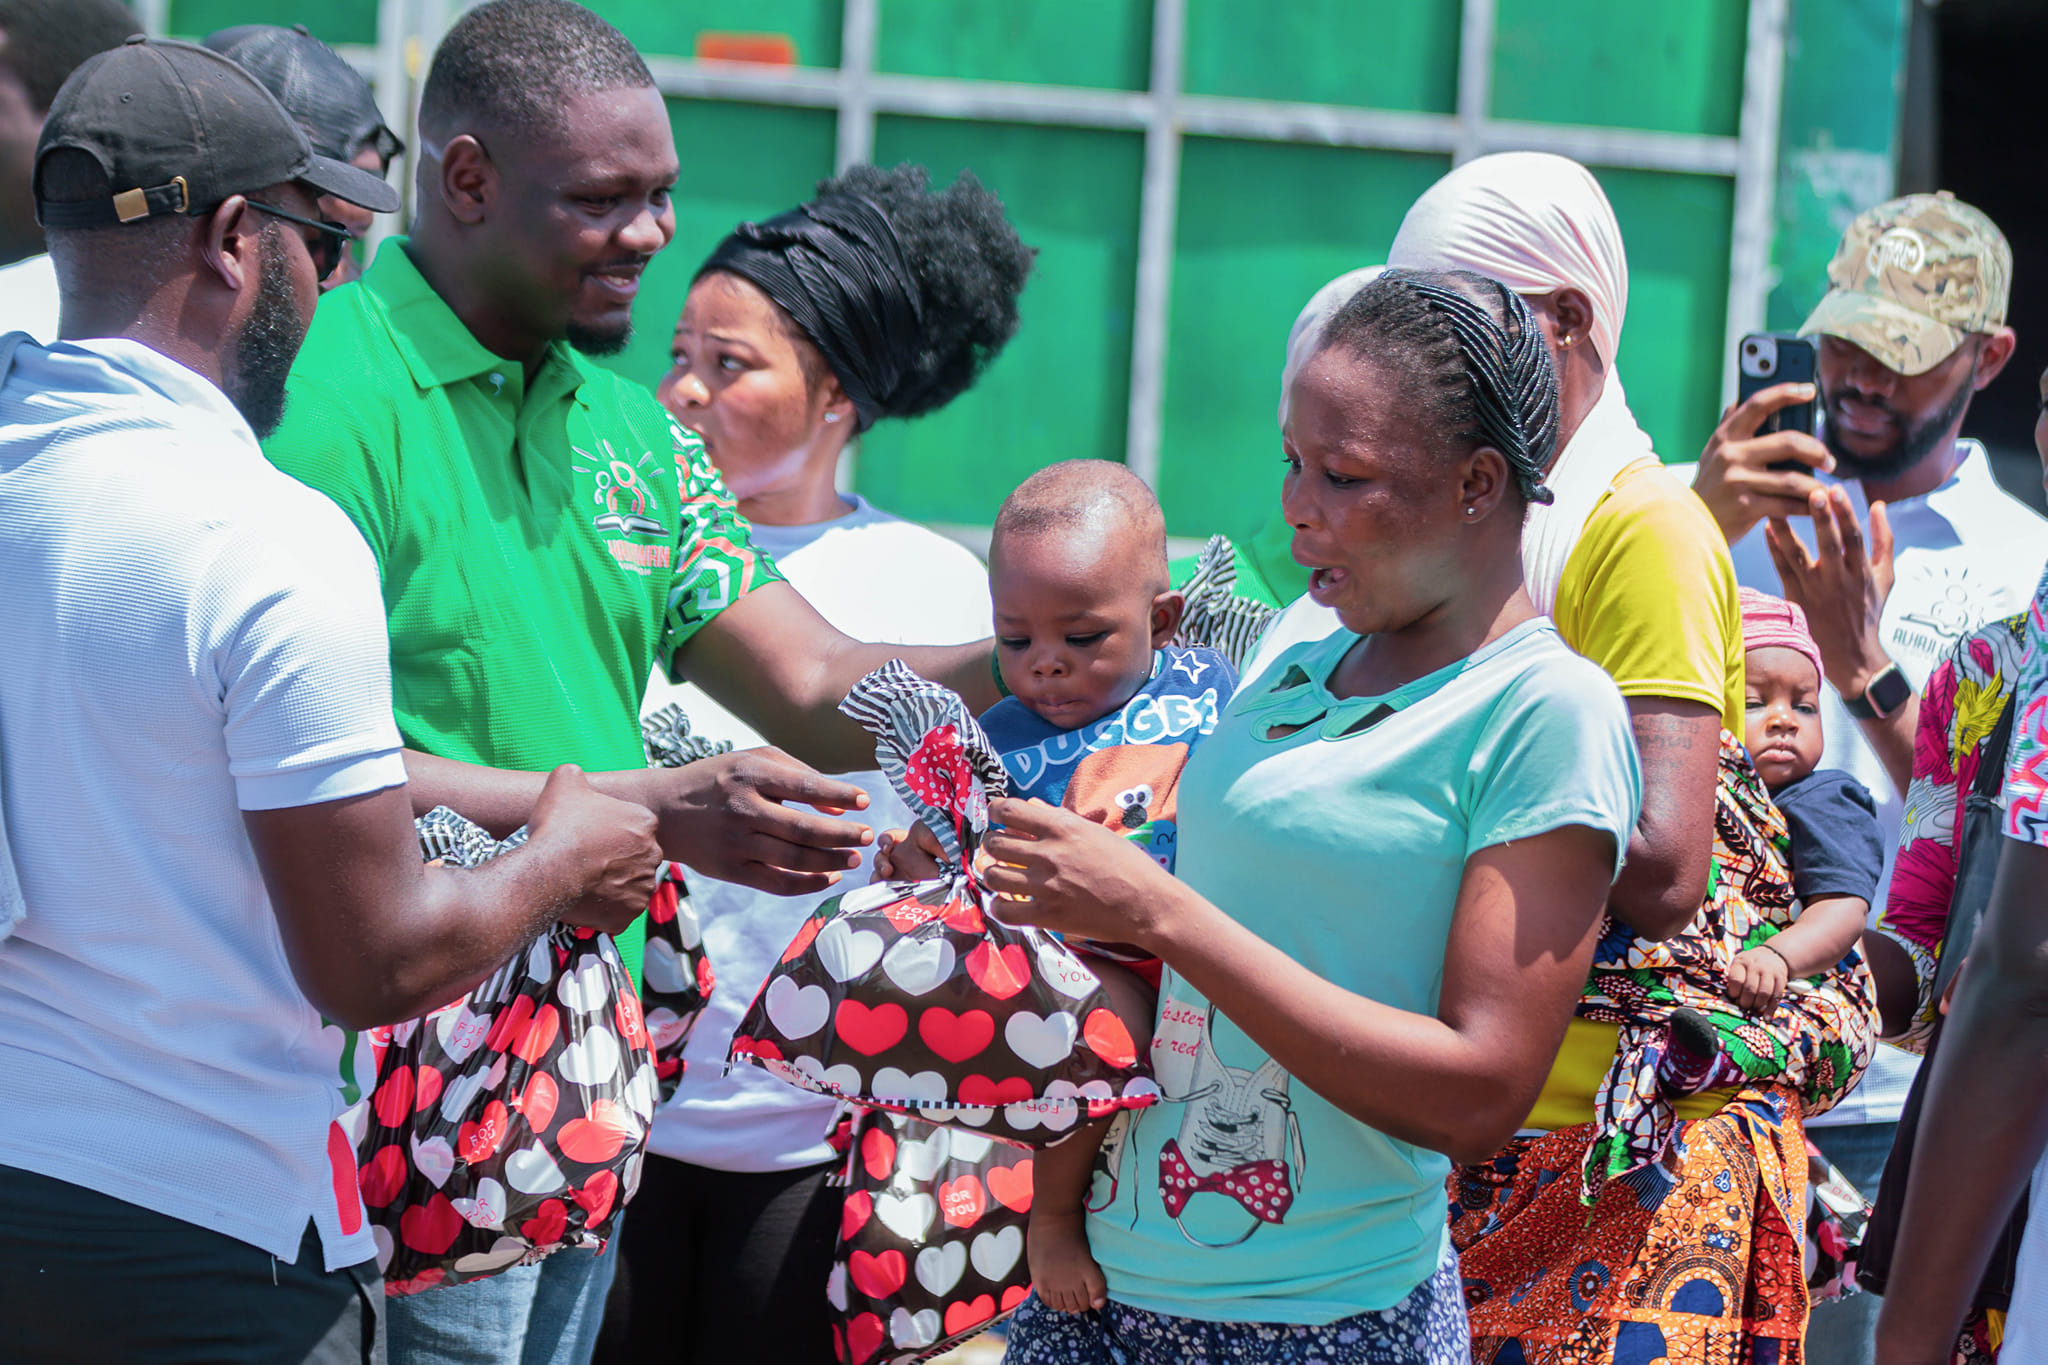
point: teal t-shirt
(1248, 1198)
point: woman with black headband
(878, 299)
(1394, 852)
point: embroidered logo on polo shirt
(624, 496)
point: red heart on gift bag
(871, 1030)
(539, 1101)
(1015, 1295)
(802, 940)
(907, 915)
(962, 1201)
(382, 1177)
(510, 1022)
(969, 1313)
(707, 980)
(1001, 974)
(533, 1044)
(661, 906)
(597, 1195)
(632, 1024)
(548, 1223)
(743, 1046)
(1109, 1039)
(956, 1037)
(963, 916)
(598, 1135)
(982, 1090)
(393, 1102)
(854, 1213)
(426, 1089)
(864, 1336)
(878, 1153)
(430, 1227)
(877, 1276)
(1010, 1186)
(477, 1140)
(838, 1343)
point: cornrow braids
(1483, 370)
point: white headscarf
(1307, 332)
(1538, 223)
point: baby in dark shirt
(1837, 848)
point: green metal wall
(1260, 225)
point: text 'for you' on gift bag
(914, 996)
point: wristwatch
(1882, 697)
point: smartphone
(1767, 358)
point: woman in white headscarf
(1638, 579)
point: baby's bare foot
(1063, 1273)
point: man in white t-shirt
(1913, 324)
(209, 834)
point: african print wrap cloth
(1699, 1262)
(1817, 1040)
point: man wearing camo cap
(1905, 544)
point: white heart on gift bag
(847, 953)
(591, 1059)
(664, 969)
(914, 1329)
(461, 1031)
(995, 1252)
(532, 1171)
(797, 1011)
(434, 1159)
(584, 989)
(843, 1079)
(643, 1092)
(892, 1084)
(940, 1267)
(918, 966)
(920, 1160)
(1041, 1041)
(459, 1094)
(967, 1146)
(835, 1286)
(687, 928)
(487, 1209)
(664, 1026)
(401, 1034)
(355, 1121)
(503, 1252)
(909, 1216)
(540, 959)
(1140, 1086)
(973, 1118)
(1067, 975)
(381, 1235)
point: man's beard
(599, 340)
(268, 344)
(1913, 444)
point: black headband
(1511, 376)
(835, 266)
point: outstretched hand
(1061, 872)
(735, 817)
(1841, 586)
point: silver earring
(1471, 511)
(831, 416)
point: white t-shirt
(28, 298)
(189, 635)
(1967, 554)
(875, 577)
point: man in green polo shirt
(546, 534)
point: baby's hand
(907, 855)
(1756, 979)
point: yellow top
(1649, 594)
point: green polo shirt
(542, 545)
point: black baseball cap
(323, 92)
(178, 129)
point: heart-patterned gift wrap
(915, 997)
(931, 1239)
(509, 1124)
(675, 976)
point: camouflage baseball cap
(1912, 278)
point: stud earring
(831, 416)
(1565, 340)
(1471, 511)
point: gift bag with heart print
(508, 1124)
(914, 996)
(931, 1239)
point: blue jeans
(1845, 1332)
(546, 1314)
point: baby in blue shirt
(1102, 716)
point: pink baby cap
(1772, 622)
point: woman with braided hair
(1393, 854)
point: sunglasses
(326, 249)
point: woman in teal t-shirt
(1394, 854)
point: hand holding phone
(1765, 360)
(1762, 458)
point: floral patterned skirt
(1694, 1258)
(1426, 1328)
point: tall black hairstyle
(1474, 360)
(514, 64)
(47, 40)
(905, 294)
